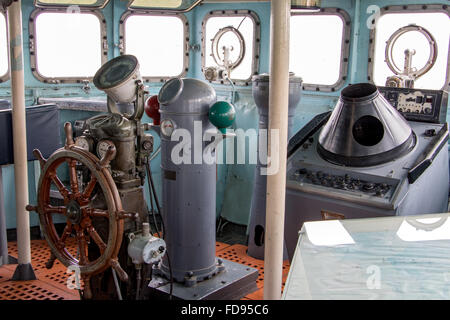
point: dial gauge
(84, 143)
(167, 127)
(103, 146)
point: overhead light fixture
(305, 5)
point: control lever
(427, 157)
(307, 131)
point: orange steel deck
(52, 284)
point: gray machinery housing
(189, 190)
(189, 200)
(260, 90)
(365, 160)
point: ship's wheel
(79, 209)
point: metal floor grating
(238, 253)
(28, 290)
(52, 284)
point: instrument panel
(418, 104)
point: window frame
(181, 9)
(5, 77)
(185, 22)
(32, 42)
(101, 5)
(345, 49)
(411, 8)
(256, 42)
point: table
(385, 258)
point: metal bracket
(105, 45)
(86, 88)
(195, 47)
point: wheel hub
(74, 212)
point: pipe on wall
(278, 121)
(24, 270)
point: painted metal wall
(235, 182)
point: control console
(349, 184)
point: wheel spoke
(52, 209)
(82, 247)
(59, 185)
(73, 177)
(97, 239)
(67, 231)
(93, 212)
(89, 188)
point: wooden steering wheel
(79, 210)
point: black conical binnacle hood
(364, 129)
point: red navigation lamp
(152, 109)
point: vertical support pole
(278, 120)
(24, 270)
(4, 259)
(356, 34)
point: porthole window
(426, 34)
(73, 50)
(230, 41)
(3, 49)
(161, 55)
(319, 48)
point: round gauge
(103, 146)
(167, 127)
(84, 143)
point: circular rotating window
(368, 131)
(228, 47)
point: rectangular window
(317, 46)
(169, 4)
(232, 35)
(161, 55)
(437, 24)
(66, 3)
(70, 51)
(174, 5)
(3, 49)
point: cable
(233, 94)
(241, 23)
(138, 282)
(147, 167)
(153, 156)
(171, 276)
(153, 193)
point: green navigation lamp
(222, 114)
